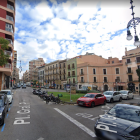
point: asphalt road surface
(30, 118)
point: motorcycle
(52, 98)
(36, 91)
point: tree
(138, 73)
(3, 46)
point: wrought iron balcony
(81, 73)
(129, 72)
(9, 18)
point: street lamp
(132, 23)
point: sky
(60, 29)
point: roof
(131, 105)
(94, 93)
(6, 90)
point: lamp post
(132, 23)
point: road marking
(7, 116)
(41, 139)
(84, 128)
(3, 128)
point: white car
(126, 94)
(9, 95)
(112, 96)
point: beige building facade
(33, 64)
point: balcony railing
(9, 29)
(73, 75)
(126, 63)
(10, 7)
(81, 73)
(8, 65)
(82, 81)
(10, 41)
(73, 67)
(129, 72)
(69, 76)
(95, 81)
(9, 18)
(7, 53)
(105, 81)
(137, 61)
(129, 80)
(50, 68)
(69, 68)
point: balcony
(73, 67)
(7, 53)
(81, 81)
(137, 61)
(10, 41)
(9, 29)
(10, 7)
(129, 72)
(57, 72)
(69, 76)
(73, 75)
(95, 81)
(50, 68)
(69, 68)
(126, 63)
(129, 80)
(81, 73)
(9, 18)
(106, 81)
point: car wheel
(127, 97)
(47, 101)
(132, 97)
(92, 104)
(104, 102)
(2, 122)
(111, 100)
(120, 99)
(58, 101)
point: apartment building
(100, 73)
(35, 74)
(7, 28)
(131, 62)
(14, 64)
(62, 74)
(41, 71)
(17, 75)
(35, 63)
(52, 74)
(26, 76)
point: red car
(91, 99)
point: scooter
(52, 98)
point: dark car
(4, 104)
(24, 86)
(91, 99)
(14, 87)
(122, 122)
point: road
(30, 118)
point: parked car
(122, 122)
(126, 94)
(4, 106)
(91, 99)
(46, 87)
(9, 95)
(42, 86)
(24, 86)
(18, 86)
(112, 96)
(51, 87)
(14, 87)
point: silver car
(126, 94)
(112, 96)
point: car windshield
(3, 92)
(123, 92)
(8, 93)
(108, 93)
(127, 113)
(1, 102)
(89, 95)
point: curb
(67, 102)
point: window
(117, 79)
(56, 65)
(117, 70)
(64, 77)
(82, 79)
(129, 70)
(68, 73)
(139, 67)
(53, 66)
(60, 77)
(112, 62)
(81, 71)
(130, 77)
(138, 59)
(60, 71)
(73, 73)
(104, 71)
(73, 65)
(73, 80)
(94, 79)
(128, 61)
(60, 65)
(68, 66)
(64, 65)
(94, 72)
(105, 79)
